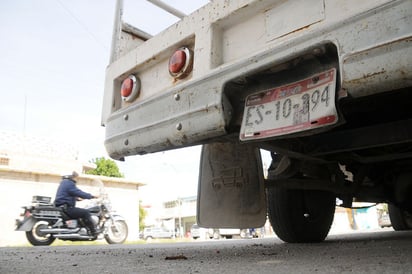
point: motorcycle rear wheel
(116, 232)
(37, 238)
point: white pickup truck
(324, 85)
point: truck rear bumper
(370, 60)
(179, 118)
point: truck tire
(301, 216)
(400, 219)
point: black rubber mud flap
(231, 190)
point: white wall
(15, 193)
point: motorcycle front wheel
(38, 238)
(117, 232)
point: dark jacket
(67, 193)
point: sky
(53, 55)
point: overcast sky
(53, 55)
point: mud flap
(231, 187)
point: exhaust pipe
(72, 236)
(59, 230)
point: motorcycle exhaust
(59, 230)
(72, 236)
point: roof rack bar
(167, 8)
(117, 27)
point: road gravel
(372, 252)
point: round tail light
(130, 88)
(181, 63)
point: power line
(78, 21)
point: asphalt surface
(373, 252)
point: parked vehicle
(323, 85)
(227, 233)
(157, 233)
(384, 220)
(195, 231)
(251, 233)
(43, 223)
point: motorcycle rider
(66, 197)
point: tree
(142, 216)
(109, 168)
(105, 167)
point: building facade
(180, 214)
(33, 166)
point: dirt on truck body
(325, 86)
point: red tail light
(130, 88)
(181, 63)
(27, 214)
(177, 61)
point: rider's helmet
(71, 175)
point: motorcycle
(44, 223)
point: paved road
(377, 252)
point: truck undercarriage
(328, 95)
(366, 158)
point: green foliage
(109, 168)
(105, 167)
(142, 216)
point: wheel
(36, 237)
(301, 216)
(400, 219)
(117, 232)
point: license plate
(292, 108)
